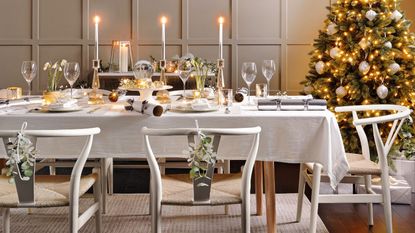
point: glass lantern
(121, 56)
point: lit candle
(221, 21)
(123, 61)
(163, 36)
(96, 20)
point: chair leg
(104, 184)
(98, 199)
(111, 177)
(387, 207)
(52, 168)
(314, 197)
(245, 215)
(155, 211)
(301, 186)
(6, 220)
(368, 187)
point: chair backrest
(216, 133)
(398, 114)
(81, 159)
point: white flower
(63, 62)
(46, 66)
(55, 65)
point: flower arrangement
(22, 156)
(201, 155)
(55, 73)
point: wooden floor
(344, 218)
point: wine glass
(29, 69)
(71, 71)
(249, 73)
(184, 68)
(268, 70)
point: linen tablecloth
(287, 136)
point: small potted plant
(55, 74)
(202, 160)
(20, 165)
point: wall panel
(255, 30)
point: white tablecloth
(287, 136)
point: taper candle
(163, 36)
(221, 21)
(96, 20)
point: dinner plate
(189, 109)
(71, 109)
(166, 87)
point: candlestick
(221, 21)
(96, 20)
(163, 36)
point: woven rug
(129, 213)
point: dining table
(286, 136)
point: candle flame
(221, 20)
(97, 19)
(163, 20)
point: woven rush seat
(358, 165)
(50, 191)
(178, 190)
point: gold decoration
(113, 96)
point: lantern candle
(96, 20)
(123, 61)
(221, 21)
(163, 36)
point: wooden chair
(361, 168)
(56, 191)
(227, 189)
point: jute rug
(129, 213)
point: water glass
(185, 69)
(249, 73)
(261, 90)
(268, 70)
(29, 69)
(226, 99)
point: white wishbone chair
(361, 168)
(56, 191)
(227, 189)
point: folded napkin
(145, 107)
(200, 104)
(63, 103)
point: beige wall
(45, 30)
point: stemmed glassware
(184, 68)
(29, 69)
(268, 70)
(71, 71)
(249, 73)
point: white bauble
(382, 91)
(364, 67)
(371, 15)
(334, 52)
(332, 29)
(388, 44)
(341, 92)
(394, 68)
(364, 44)
(320, 67)
(308, 90)
(396, 15)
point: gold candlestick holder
(163, 96)
(94, 97)
(220, 80)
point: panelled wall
(47, 30)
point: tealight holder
(121, 56)
(14, 93)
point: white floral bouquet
(55, 73)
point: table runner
(287, 136)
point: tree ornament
(382, 91)
(320, 67)
(396, 15)
(388, 44)
(308, 90)
(364, 43)
(113, 96)
(332, 29)
(334, 52)
(394, 68)
(364, 67)
(371, 15)
(341, 92)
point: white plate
(148, 89)
(71, 109)
(188, 108)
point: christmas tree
(365, 55)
